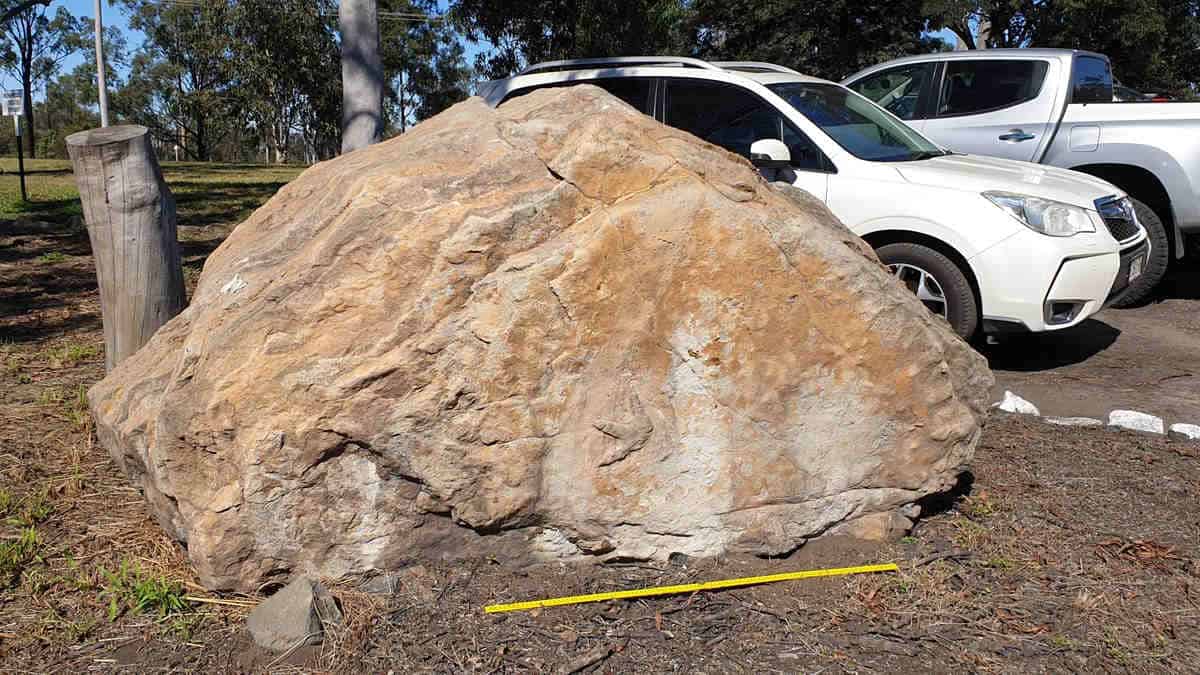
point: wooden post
(130, 216)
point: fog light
(1062, 311)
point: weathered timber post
(130, 216)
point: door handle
(1016, 136)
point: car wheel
(937, 282)
(1157, 259)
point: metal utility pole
(362, 74)
(100, 66)
(20, 158)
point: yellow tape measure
(688, 588)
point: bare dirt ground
(1145, 358)
(1067, 550)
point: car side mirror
(770, 153)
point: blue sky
(112, 15)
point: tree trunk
(29, 132)
(984, 33)
(200, 138)
(130, 216)
(362, 74)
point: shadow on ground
(1181, 283)
(1044, 351)
(47, 275)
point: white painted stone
(1015, 404)
(1138, 421)
(1075, 421)
(1186, 432)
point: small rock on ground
(1185, 432)
(294, 616)
(1137, 421)
(1015, 404)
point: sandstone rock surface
(557, 323)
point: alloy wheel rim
(924, 286)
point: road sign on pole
(13, 104)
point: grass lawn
(205, 194)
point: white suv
(987, 243)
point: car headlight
(1052, 218)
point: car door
(997, 107)
(734, 118)
(907, 91)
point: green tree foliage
(423, 60)
(527, 31)
(70, 101)
(35, 44)
(182, 85)
(242, 79)
(1011, 22)
(287, 62)
(254, 78)
(829, 39)
(1154, 44)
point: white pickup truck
(1055, 106)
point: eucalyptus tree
(36, 42)
(423, 61)
(184, 83)
(525, 31)
(829, 39)
(286, 56)
(362, 74)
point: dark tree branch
(21, 7)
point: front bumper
(1138, 253)
(1030, 282)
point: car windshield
(856, 124)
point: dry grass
(96, 571)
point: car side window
(733, 118)
(1091, 80)
(636, 91)
(975, 86)
(633, 90)
(898, 89)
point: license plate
(1135, 267)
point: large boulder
(558, 326)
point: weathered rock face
(559, 320)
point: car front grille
(1119, 217)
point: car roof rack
(618, 62)
(754, 67)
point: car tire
(1157, 260)
(961, 308)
